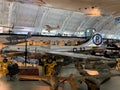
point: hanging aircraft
(50, 28)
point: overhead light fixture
(92, 72)
(92, 11)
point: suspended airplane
(50, 28)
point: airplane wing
(49, 28)
(78, 55)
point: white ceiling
(105, 6)
(66, 14)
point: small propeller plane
(50, 28)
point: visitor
(13, 69)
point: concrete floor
(112, 84)
(21, 85)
